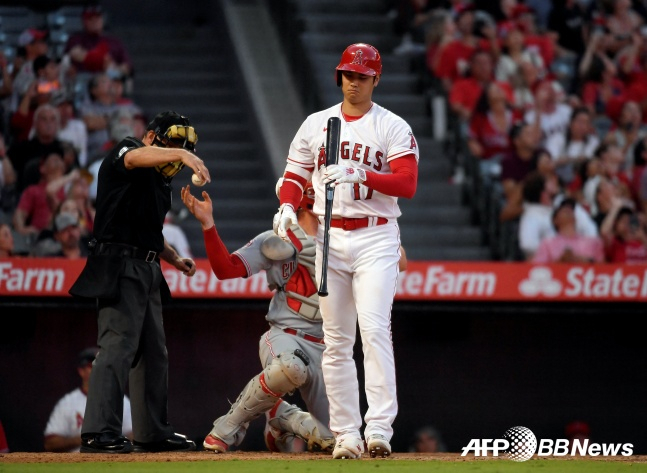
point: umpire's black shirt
(131, 204)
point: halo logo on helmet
(362, 58)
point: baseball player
(291, 349)
(63, 431)
(378, 162)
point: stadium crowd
(548, 109)
(63, 106)
(547, 106)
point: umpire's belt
(305, 336)
(355, 223)
(127, 251)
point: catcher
(291, 349)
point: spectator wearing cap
(65, 241)
(34, 42)
(63, 430)
(93, 51)
(567, 245)
(624, 235)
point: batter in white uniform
(378, 162)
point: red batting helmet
(362, 58)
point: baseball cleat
(378, 446)
(214, 444)
(348, 448)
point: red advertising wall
(423, 281)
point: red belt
(355, 223)
(305, 336)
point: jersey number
(357, 194)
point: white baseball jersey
(369, 143)
(67, 417)
(362, 264)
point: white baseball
(197, 180)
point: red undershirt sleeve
(290, 192)
(223, 264)
(402, 181)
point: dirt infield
(25, 457)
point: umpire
(123, 274)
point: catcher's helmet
(362, 58)
(172, 130)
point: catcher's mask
(172, 130)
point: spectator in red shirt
(34, 211)
(491, 122)
(455, 56)
(465, 93)
(624, 236)
(94, 51)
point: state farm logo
(540, 282)
(589, 281)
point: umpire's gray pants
(132, 342)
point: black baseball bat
(332, 152)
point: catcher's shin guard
(284, 374)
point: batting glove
(336, 174)
(283, 220)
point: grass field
(77, 463)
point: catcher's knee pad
(287, 372)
